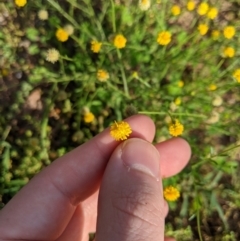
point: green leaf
(32, 34)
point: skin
(122, 178)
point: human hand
(60, 203)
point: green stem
(63, 12)
(113, 17)
(125, 85)
(227, 150)
(172, 114)
(198, 225)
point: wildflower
(62, 35)
(52, 55)
(69, 29)
(214, 118)
(171, 193)
(212, 87)
(102, 75)
(212, 13)
(217, 101)
(203, 8)
(88, 117)
(119, 41)
(43, 14)
(20, 3)
(4, 72)
(203, 28)
(96, 46)
(191, 5)
(164, 38)
(120, 130)
(236, 75)
(178, 101)
(229, 52)
(144, 5)
(176, 128)
(215, 34)
(229, 32)
(180, 83)
(135, 75)
(176, 10)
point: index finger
(43, 208)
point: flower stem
(125, 85)
(172, 114)
(227, 150)
(113, 17)
(198, 225)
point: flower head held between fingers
(164, 38)
(102, 75)
(176, 128)
(20, 3)
(171, 193)
(120, 130)
(119, 41)
(52, 55)
(144, 5)
(62, 35)
(96, 46)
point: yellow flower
(203, 28)
(215, 34)
(102, 75)
(171, 193)
(236, 75)
(119, 41)
(20, 3)
(176, 10)
(203, 8)
(212, 87)
(164, 38)
(180, 83)
(229, 32)
(144, 5)
(52, 55)
(176, 128)
(88, 117)
(191, 5)
(178, 101)
(120, 130)
(135, 75)
(96, 46)
(212, 13)
(229, 52)
(62, 35)
(43, 14)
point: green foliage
(189, 79)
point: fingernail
(141, 156)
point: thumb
(131, 205)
